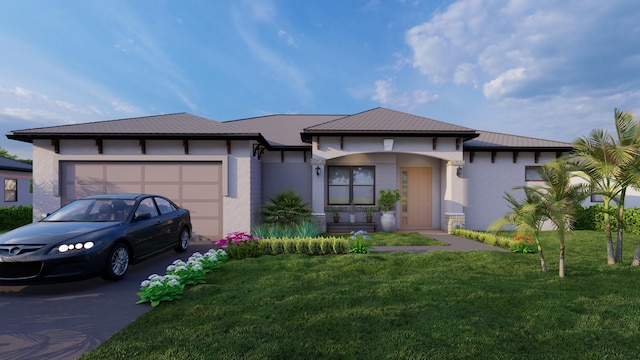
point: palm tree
(527, 217)
(560, 200)
(628, 131)
(600, 162)
(611, 165)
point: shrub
(12, 217)
(487, 238)
(286, 208)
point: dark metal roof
(181, 125)
(496, 142)
(288, 131)
(385, 121)
(283, 130)
(14, 165)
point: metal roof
(282, 130)
(14, 165)
(386, 121)
(159, 126)
(497, 141)
(289, 131)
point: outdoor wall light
(459, 171)
(318, 170)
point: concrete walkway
(455, 244)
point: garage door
(196, 186)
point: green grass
(437, 305)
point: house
(16, 178)
(223, 172)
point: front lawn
(436, 305)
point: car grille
(20, 270)
(12, 250)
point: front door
(415, 209)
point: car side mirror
(143, 216)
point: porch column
(318, 189)
(454, 196)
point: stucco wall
(486, 183)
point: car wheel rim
(120, 261)
(184, 239)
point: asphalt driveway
(64, 321)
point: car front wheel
(117, 262)
(183, 241)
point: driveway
(64, 321)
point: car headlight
(66, 248)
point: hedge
(12, 217)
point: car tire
(183, 240)
(117, 262)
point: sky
(541, 68)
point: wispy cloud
(386, 94)
(252, 20)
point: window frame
(527, 170)
(351, 184)
(13, 193)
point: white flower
(145, 283)
(171, 268)
(154, 276)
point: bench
(347, 227)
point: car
(98, 235)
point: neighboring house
(224, 171)
(16, 179)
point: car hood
(45, 232)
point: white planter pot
(388, 221)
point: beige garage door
(196, 186)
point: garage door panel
(124, 188)
(123, 173)
(162, 172)
(193, 185)
(196, 173)
(171, 191)
(200, 192)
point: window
(147, 206)
(595, 198)
(351, 185)
(531, 173)
(10, 190)
(165, 206)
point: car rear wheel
(183, 241)
(117, 262)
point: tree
(610, 166)
(600, 162)
(526, 216)
(560, 200)
(6, 154)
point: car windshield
(93, 210)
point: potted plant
(336, 214)
(386, 203)
(368, 214)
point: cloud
(385, 93)
(524, 48)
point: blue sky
(542, 68)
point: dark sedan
(97, 235)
